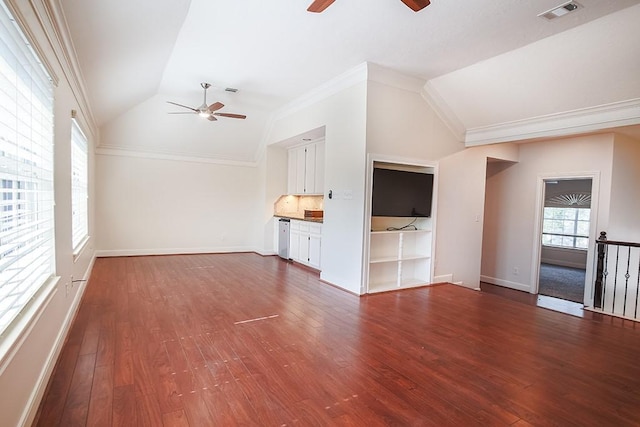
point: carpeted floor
(561, 282)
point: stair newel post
(599, 291)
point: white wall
(140, 129)
(273, 173)
(625, 190)
(566, 257)
(26, 367)
(156, 206)
(344, 115)
(401, 124)
(507, 250)
(461, 190)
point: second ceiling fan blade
(215, 107)
(319, 5)
(183, 106)
(233, 116)
(417, 5)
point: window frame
(26, 124)
(79, 186)
(575, 220)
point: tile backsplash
(296, 205)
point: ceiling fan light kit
(320, 5)
(207, 111)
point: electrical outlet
(516, 271)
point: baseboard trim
(31, 409)
(561, 263)
(443, 278)
(506, 283)
(172, 251)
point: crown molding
(67, 57)
(393, 78)
(442, 110)
(585, 120)
(155, 155)
(345, 80)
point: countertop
(300, 218)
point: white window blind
(79, 187)
(566, 227)
(26, 172)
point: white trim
(16, 334)
(345, 80)
(33, 403)
(172, 251)
(442, 110)
(619, 316)
(562, 263)
(372, 158)
(64, 49)
(124, 152)
(505, 283)
(573, 122)
(389, 77)
(594, 176)
(443, 278)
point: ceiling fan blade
(233, 116)
(319, 5)
(215, 107)
(211, 118)
(183, 106)
(417, 5)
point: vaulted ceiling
(484, 63)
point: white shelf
(383, 259)
(399, 259)
(396, 259)
(393, 286)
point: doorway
(565, 236)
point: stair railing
(617, 282)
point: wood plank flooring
(239, 339)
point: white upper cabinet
(306, 169)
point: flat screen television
(401, 193)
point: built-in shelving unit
(400, 248)
(399, 259)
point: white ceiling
(139, 54)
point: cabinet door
(300, 169)
(319, 168)
(294, 245)
(304, 248)
(310, 169)
(314, 250)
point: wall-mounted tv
(401, 193)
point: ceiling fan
(320, 5)
(207, 111)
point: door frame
(593, 228)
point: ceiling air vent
(231, 89)
(560, 10)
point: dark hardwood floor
(239, 339)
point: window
(79, 194)
(26, 172)
(566, 227)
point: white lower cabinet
(306, 241)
